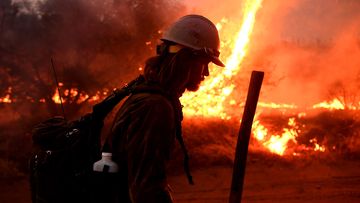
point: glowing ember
(7, 97)
(73, 92)
(302, 114)
(83, 97)
(317, 146)
(94, 98)
(208, 101)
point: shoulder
(151, 98)
(150, 102)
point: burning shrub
(337, 130)
(326, 131)
(324, 134)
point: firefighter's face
(198, 71)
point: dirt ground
(318, 181)
(267, 180)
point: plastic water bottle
(105, 164)
(104, 179)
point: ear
(162, 49)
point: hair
(171, 71)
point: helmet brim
(217, 61)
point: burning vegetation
(296, 128)
(308, 105)
(95, 45)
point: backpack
(64, 153)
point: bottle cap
(107, 154)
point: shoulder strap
(178, 118)
(185, 154)
(102, 109)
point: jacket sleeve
(150, 137)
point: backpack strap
(102, 109)
(180, 139)
(178, 119)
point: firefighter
(149, 121)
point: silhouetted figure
(146, 126)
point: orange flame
(276, 106)
(276, 143)
(209, 99)
(73, 95)
(56, 97)
(334, 104)
(83, 97)
(7, 97)
(317, 146)
(279, 143)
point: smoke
(95, 44)
(307, 48)
(230, 9)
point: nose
(205, 71)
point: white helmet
(198, 33)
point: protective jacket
(143, 135)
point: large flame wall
(309, 51)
